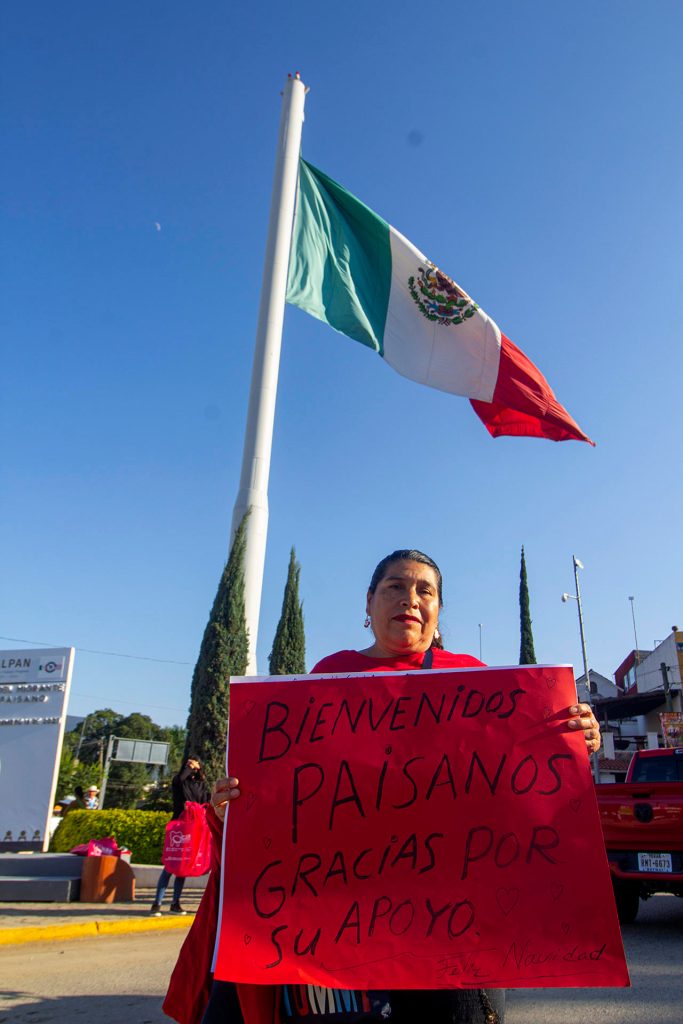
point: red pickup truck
(642, 823)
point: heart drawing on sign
(507, 899)
(247, 940)
(267, 841)
(249, 706)
(556, 891)
(550, 681)
(251, 800)
(575, 804)
(565, 926)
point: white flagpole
(253, 492)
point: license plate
(654, 862)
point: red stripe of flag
(524, 404)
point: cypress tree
(527, 655)
(288, 656)
(223, 652)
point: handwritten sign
(423, 830)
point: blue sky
(532, 150)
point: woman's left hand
(586, 720)
(222, 793)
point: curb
(63, 932)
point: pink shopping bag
(107, 847)
(187, 844)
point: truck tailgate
(645, 815)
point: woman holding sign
(403, 603)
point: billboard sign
(34, 691)
(140, 751)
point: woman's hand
(586, 720)
(221, 794)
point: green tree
(288, 656)
(175, 736)
(223, 652)
(128, 782)
(83, 748)
(527, 655)
(88, 740)
(73, 772)
(159, 797)
(97, 724)
(82, 761)
(138, 727)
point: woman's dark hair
(409, 555)
(79, 792)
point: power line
(88, 650)
(656, 671)
(120, 700)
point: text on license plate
(654, 862)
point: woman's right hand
(224, 791)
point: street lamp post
(105, 776)
(81, 737)
(577, 597)
(636, 653)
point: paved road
(654, 950)
(109, 979)
(122, 979)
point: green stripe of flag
(340, 263)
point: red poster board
(424, 830)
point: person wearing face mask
(403, 603)
(188, 784)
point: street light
(577, 597)
(80, 739)
(636, 652)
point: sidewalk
(49, 922)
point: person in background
(403, 603)
(91, 798)
(188, 784)
(77, 804)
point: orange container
(106, 880)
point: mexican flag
(351, 269)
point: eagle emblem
(440, 299)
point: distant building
(625, 675)
(601, 686)
(605, 695)
(646, 674)
(613, 769)
(629, 709)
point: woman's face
(404, 609)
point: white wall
(649, 671)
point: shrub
(158, 798)
(141, 831)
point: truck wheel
(627, 900)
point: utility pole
(636, 653)
(577, 597)
(107, 762)
(80, 738)
(667, 689)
